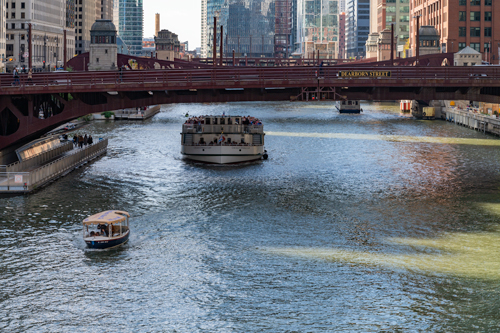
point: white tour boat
(348, 106)
(223, 139)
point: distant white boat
(348, 106)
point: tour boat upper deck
(223, 139)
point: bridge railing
(233, 77)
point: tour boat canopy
(109, 216)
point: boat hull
(223, 154)
(105, 243)
(354, 110)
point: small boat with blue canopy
(106, 229)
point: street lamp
(44, 50)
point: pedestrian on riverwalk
(75, 140)
(90, 140)
(80, 141)
(85, 140)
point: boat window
(349, 102)
(237, 121)
(343, 102)
(207, 121)
(356, 102)
(229, 121)
(222, 121)
(215, 121)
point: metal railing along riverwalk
(40, 158)
(29, 181)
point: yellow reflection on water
(470, 255)
(394, 138)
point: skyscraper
(204, 28)
(249, 27)
(318, 27)
(2, 33)
(392, 13)
(85, 16)
(47, 31)
(357, 27)
(130, 25)
(283, 44)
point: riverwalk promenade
(477, 121)
(33, 173)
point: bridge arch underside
(21, 115)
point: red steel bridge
(69, 95)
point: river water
(356, 223)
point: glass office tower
(130, 25)
(317, 28)
(249, 27)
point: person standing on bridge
(15, 73)
(121, 74)
(30, 76)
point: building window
(22, 25)
(487, 32)
(13, 5)
(13, 15)
(462, 2)
(475, 2)
(475, 16)
(22, 37)
(462, 31)
(487, 16)
(13, 26)
(475, 32)
(486, 47)
(461, 16)
(22, 15)
(461, 46)
(97, 60)
(487, 2)
(22, 5)
(476, 46)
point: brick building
(460, 23)
(341, 36)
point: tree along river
(372, 222)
